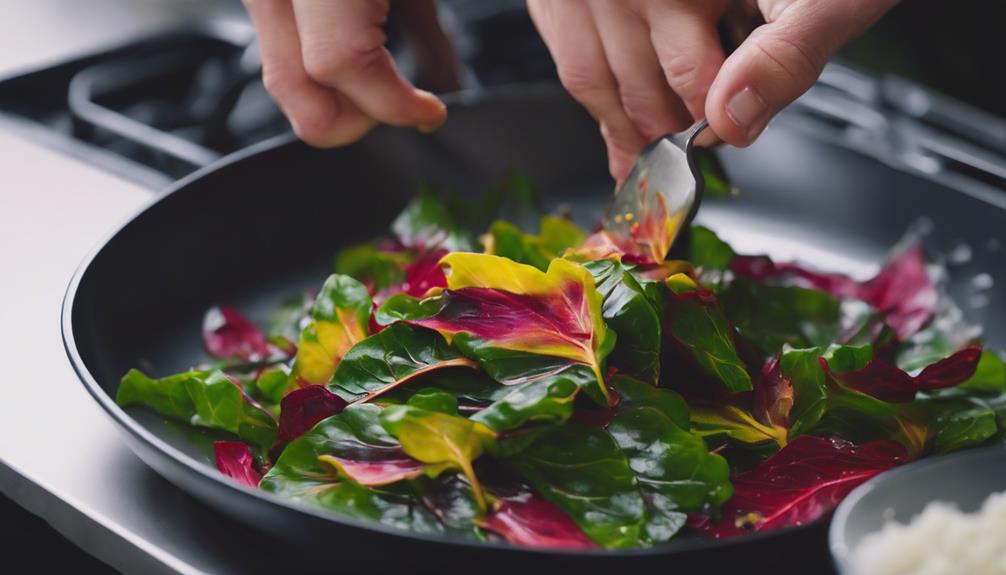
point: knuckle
(276, 82)
(579, 79)
(330, 60)
(682, 72)
(801, 63)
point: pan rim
(209, 476)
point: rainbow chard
(204, 399)
(518, 323)
(301, 409)
(235, 460)
(229, 335)
(391, 358)
(555, 236)
(440, 440)
(902, 290)
(634, 310)
(340, 318)
(526, 519)
(697, 325)
(331, 465)
(800, 483)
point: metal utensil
(664, 188)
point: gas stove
(91, 138)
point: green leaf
(432, 399)
(368, 264)
(810, 395)
(717, 183)
(633, 393)
(401, 307)
(356, 433)
(393, 357)
(166, 396)
(439, 439)
(340, 317)
(202, 399)
(707, 251)
(771, 316)
(425, 222)
(698, 324)
(273, 383)
(546, 400)
(990, 377)
(554, 237)
(675, 470)
(960, 424)
(582, 471)
(633, 315)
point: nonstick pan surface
(265, 224)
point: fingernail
(748, 110)
(430, 128)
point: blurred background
(150, 90)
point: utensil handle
(694, 132)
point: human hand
(644, 68)
(325, 64)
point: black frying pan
(265, 223)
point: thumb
(781, 60)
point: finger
(320, 116)
(568, 30)
(437, 65)
(781, 60)
(688, 47)
(648, 101)
(343, 48)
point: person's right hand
(325, 64)
(644, 68)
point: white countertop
(61, 456)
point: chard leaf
(375, 473)
(886, 382)
(632, 314)
(674, 469)
(432, 399)
(370, 264)
(340, 318)
(582, 471)
(960, 423)
(554, 237)
(228, 335)
(517, 322)
(801, 483)
(697, 324)
(302, 408)
(735, 424)
(203, 399)
(989, 376)
(425, 224)
(391, 358)
(439, 439)
(529, 520)
(773, 316)
(707, 252)
(547, 400)
(235, 460)
(902, 290)
(633, 394)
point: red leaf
(228, 334)
(424, 273)
(773, 396)
(378, 473)
(902, 290)
(302, 408)
(234, 459)
(531, 521)
(801, 483)
(888, 383)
